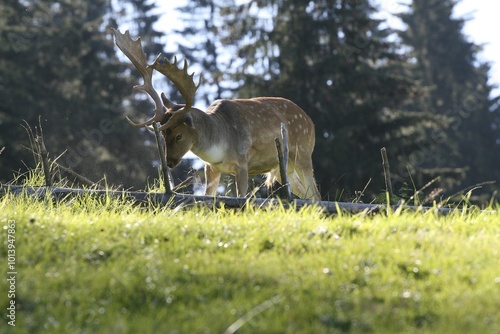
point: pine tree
(446, 62)
(59, 63)
(14, 40)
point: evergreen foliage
(467, 151)
(59, 63)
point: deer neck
(211, 142)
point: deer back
(245, 130)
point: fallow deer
(233, 136)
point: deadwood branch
(176, 200)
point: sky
(483, 26)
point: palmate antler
(133, 50)
(184, 83)
(182, 80)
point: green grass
(90, 266)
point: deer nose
(171, 163)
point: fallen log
(176, 200)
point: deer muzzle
(172, 163)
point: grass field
(91, 266)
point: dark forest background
(421, 92)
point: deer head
(180, 135)
(176, 125)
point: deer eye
(178, 137)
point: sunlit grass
(91, 265)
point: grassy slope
(90, 267)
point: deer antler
(184, 83)
(133, 50)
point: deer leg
(212, 179)
(305, 174)
(242, 181)
(296, 185)
(302, 182)
(312, 191)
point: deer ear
(188, 120)
(166, 102)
